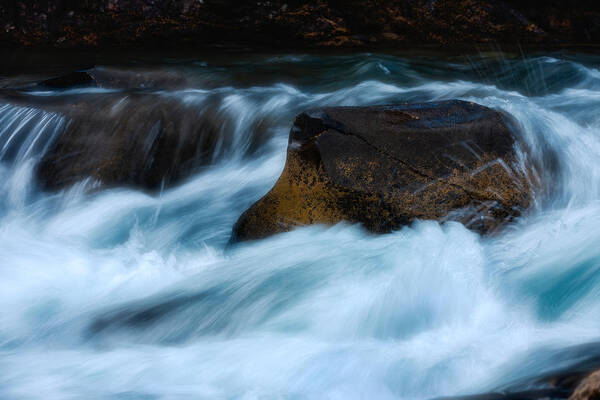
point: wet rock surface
(141, 139)
(386, 166)
(294, 23)
(135, 141)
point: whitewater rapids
(120, 294)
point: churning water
(121, 294)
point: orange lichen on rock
(386, 166)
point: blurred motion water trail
(133, 292)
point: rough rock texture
(385, 166)
(297, 23)
(588, 389)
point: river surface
(126, 294)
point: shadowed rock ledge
(385, 166)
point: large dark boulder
(386, 166)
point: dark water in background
(124, 295)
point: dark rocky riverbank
(288, 24)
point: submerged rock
(141, 140)
(112, 78)
(386, 166)
(137, 78)
(145, 140)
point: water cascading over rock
(138, 138)
(385, 166)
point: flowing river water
(128, 294)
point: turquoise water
(122, 294)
